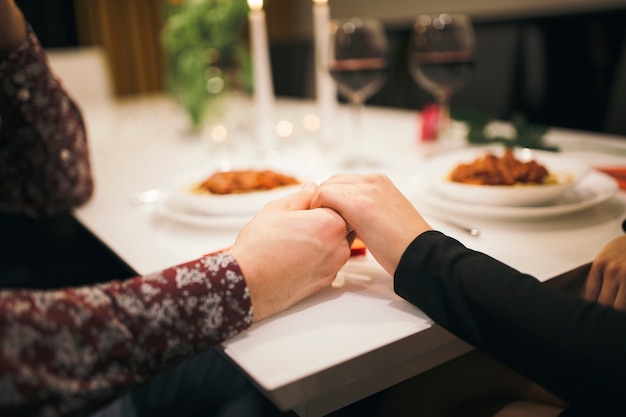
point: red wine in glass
(441, 57)
(358, 63)
(362, 77)
(443, 70)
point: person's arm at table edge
(571, 347)
(90, 343)
(112, 336)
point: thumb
(302, 199)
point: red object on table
(430, 122)
(358, 247)
(617, 172)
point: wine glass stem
(443, 100)
(355, 153)
(357, 115)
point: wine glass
(441, 59)
(358, 62)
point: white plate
(567, 172)
(169, 209)
(229, 204)
(593, 189)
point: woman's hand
(379, 213)
(606, 282)
(289, 252)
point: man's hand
(289, 252)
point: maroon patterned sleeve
(70, 351)
(44, 160)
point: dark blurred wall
(53, 21)
(558, 70)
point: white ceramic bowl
(566, 172)
(226, 204)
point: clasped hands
(296, 245)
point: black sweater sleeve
(573, 348)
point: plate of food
(233, 193)
(498, 176)
(595, 188)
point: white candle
(325, 86)
(261, 66)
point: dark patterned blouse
(44, 160)
(68, 352)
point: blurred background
(559, 62)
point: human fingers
(608, 291)
(307, 263)
(349, 195)
(367, 201)
(330, 239)
(620, 299)
(607, 276)
(602, 284)
(380, 214)
(300, 200)
(606, 285)
(287, 256)
(593, 283)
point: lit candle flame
(255, 4)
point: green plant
(206, 52)
(520, 133)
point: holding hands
(296, 245)
(380, 214)
(288, 252)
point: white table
(353, 339)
